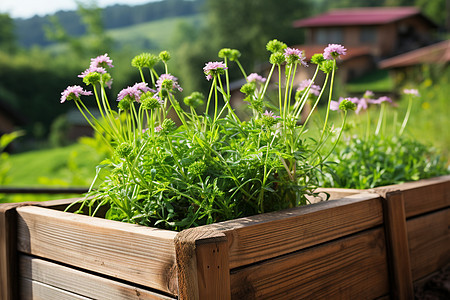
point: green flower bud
(197, 168)
(248, 88)
(124, 150)
(317, 58)
(144, 60)
(327, 66)
(277, 58)
(164, 56)
(275, 46)
(92, 78)
(167, 126)
(346, 105)
(125, 103)
(150, 102)
(194, 100)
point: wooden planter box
(362, 246)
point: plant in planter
(370, 156)
(211, 166)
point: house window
(329, 35)
(368, 34)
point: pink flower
(253, 77)
(334, 105)
(214, 68)
(91, 69)
(314, 89)
(158, 128)
(134, 91)
(293, 55)
(270, 114)
(333, 51)
(73, 93)
(101, 61)
(413, 92)
(168, 82)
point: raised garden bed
(368, 245)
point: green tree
(95, 40)
(7, 37)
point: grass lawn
(67, 166)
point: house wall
(385, 40)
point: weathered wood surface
(397, 241)
(421, 196)
(429, 243)
(353, 267)
(269, 235)
(32, 290)
(202, 264)
(78, 282)
(134, 253)
(8, 257)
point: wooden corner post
(202, 265)
(8, 252)
(397, 238)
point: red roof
(436, 53)
(359, 16)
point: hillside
(31, 31)
(157, 35)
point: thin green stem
(405, 120)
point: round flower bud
(164, 56)
(277, 58)
(124, 150)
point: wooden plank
(202, 263)
(429, 243)
(396, 236)
(269, 235)
(134, 253)
(422, 196)
(353, 267)
(31, 290)
(8, 257)
(79, 282)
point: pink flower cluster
(253, 77)
(73, 92)
(165, 78)
(413, 92)
(295, 55)
(134, 92)
(213, 68)
(314, 89)
(334, 51)
(361, 103)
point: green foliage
(377, 161)
(208, 166)
(393, 146)
(7, 37)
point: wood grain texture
(130, 252)
(397, 240)
(202, 264)
(33, 290)
(79, 282)
(8, 257)
(354, 267)
(429, 243)
(421, 196)
(269, 235)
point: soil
(435, 288)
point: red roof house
(370, 34)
